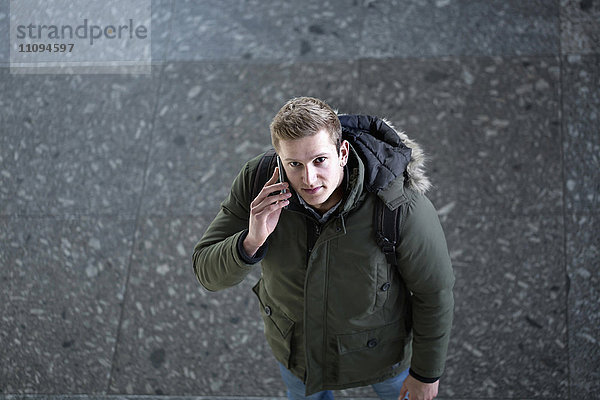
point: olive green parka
(335, 312)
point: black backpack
(388, 222)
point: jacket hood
(392, 160)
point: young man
(337, 313)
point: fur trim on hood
(391, 158)
(415, 170)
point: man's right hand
(264, 213)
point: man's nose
(310, 176)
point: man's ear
(344, 152)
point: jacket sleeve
(426, 268)
(217, 261)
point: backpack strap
(263, 171)
(389, 224)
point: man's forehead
(307, 147)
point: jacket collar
(354, 176)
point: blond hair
(305, 116)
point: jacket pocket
(370, 353)
(278, 326)
(383, 285)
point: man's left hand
(418, 390)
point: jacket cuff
(422, 378)
(260, 254)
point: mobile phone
(281, 172)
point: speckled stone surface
(509, 338)
(203, 109)
(340, 29)
(255, 29)
(581, 105)
(4, 33)
(29, 144)
(444, 27)
(108, 181)
(74, 144)
(580, 26)
(583, 265)
(490, 126)
(162, 15)
(154, 397)
(136, 397)
(178, 339)
(63, 282)
(213, 117)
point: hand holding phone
(265, 210)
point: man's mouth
(312, 191)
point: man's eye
(294, 164)
(319, 160)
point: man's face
(314, 168)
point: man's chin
(313, 201)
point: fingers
(270, 186)
(270, 203)
(403, 392)
(273, 183)
(273, 177)
(271, 208)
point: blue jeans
(386, 390)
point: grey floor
(108, 181)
